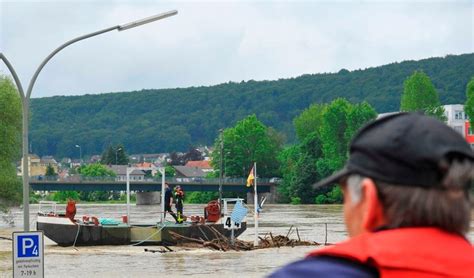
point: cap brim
(336, 177)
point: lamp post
(116, 155)
(25, 98)
(80, 153)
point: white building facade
(456, 118)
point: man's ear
(373, 215)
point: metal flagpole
(255, 201)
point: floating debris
(165, 249)
(222, 243)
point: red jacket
(408, 252)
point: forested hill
(150, 121)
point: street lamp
(25, 98)
(116, 155)
(80, 153)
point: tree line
(167, 120)
(324, 132)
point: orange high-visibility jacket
(408, 252)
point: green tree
(419, 94)
(309, 121)
(469, 105)
(333, 137)
(305, 176)
(322, 151)
(288, 159)
(248, 142)
(169, 172)
(10, 143)
(358, 115)
(96, 170)
(114, 155)
(50, 171)
(341, 120)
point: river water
(133, 261)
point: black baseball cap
(403, 149)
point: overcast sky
(215, 42)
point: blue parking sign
(28, 246)
(28, 254)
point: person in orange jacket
(406, 204)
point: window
(458, 115)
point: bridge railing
(173, 180)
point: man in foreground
(406, 204)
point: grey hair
(447, 207)
(354, 186)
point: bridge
(111, 184)
(79, 183)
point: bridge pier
(148, 198)
(271, 196)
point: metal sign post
(28, 254)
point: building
(456, 118)
(184, 173)
(469, 133)
(459, 121)
(204, 165)
(121, 172)
(37, 166)
(95, 158)
(153, 169)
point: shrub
(62, 196)
(334, 196)
(320, 199)
(201, 197)
(295, 200)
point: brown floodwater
(128, 261)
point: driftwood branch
(222, 243)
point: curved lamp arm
(15, 76)
(46, 60)
(122, 27)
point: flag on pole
(251, 178)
